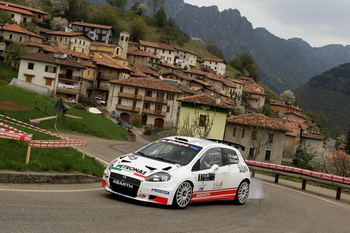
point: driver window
(229, 156)
(211, 157)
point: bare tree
(259, 141)
(59, 23)
(288, 96)
(340, 163)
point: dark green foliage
(30, 26)
(245, 63)
(5, 17)
(213, 49)
(137, 29)
(328, 95)
(347, 146)
(106, 15)
(160, 18)
(118, 3)
(302, 159)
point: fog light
(142, 196)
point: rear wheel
(183, 195)
(242, 193)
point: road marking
(52, 191)
(307, 194)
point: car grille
(124, 185)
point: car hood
(143, 166)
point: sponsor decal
(132, 157)
(195, 148)
(160, 191)
(218, 184)
(177, 143)
(212, 195)
(205, 194)
(206, 177)
(242, 168)
(122, 183)
(201, 188)
(132, 169)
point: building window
(202, 120)
(12, 16)
(149, 93)
(167, 108)
(24, 20)
(170, 96)
(251, 152)
(160, 95)
(30, 66)
(10, 36)
(121, 89)
(20, 38)
(50, 69)
(159, 107)
(119, 101)
(48, 82)
(238, 132)
(147, 105)
(267, 155)
(270, 138)
(254, 134)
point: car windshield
(170, 151)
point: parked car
(178, 171)
(99, 100)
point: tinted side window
(229, 156)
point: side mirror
(214, 168)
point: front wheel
(242, 193)
(183, 195)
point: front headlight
(158, 177)
(112, 163)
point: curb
(46, 177)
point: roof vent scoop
(181, 139)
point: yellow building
(202, 116)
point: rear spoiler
(233, 144)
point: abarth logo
(124, 184)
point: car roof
(196, 141)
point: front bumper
(135, 187)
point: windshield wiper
(142, 154)
(163, 159)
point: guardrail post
(303, 187)
(338, 193)
(253, 173)
(277, 176)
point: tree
(245, 63)
(59, 23)
(155, 5)
(5, 18)
(288, 96)
(259, 141)
(140, 8)
(30, 26)
(106, 15)
(137, 29)
(340, 163)
(12, 53)
(72, 10)
(160, 18)
(347, 145)
(118, 3)
(213, 49)
(198, 126)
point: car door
(234, 168)
(210, 177)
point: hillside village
(155, 84)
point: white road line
(304, 193)
(51, 191)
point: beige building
(75, 41)
(218, 66)
(146, 100)
(203, 115)
(139, 57)
(17, 15)
(60, 74)
(165, 52)
(36, 14)
(262, 137)
(185, 59)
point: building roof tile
(51, 58)
(31, 9)
(18, 29)
(104, 60)
(205, 99)
(93, 25)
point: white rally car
(179, 171)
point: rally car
(178, 171)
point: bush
(148, 130)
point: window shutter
(243, 132)
(234, 131)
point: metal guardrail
(306, 175)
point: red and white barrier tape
(16, 136)
(323, 176)
(12, 128)
(28, 126)
(56, 144)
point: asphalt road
(88, 208)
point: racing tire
(183, 195)
(242, 193)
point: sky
(318, 22)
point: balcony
(128, 108)
(130, 96)
(68, 88)
(155, 100)
(153, 112)
(64, 76)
